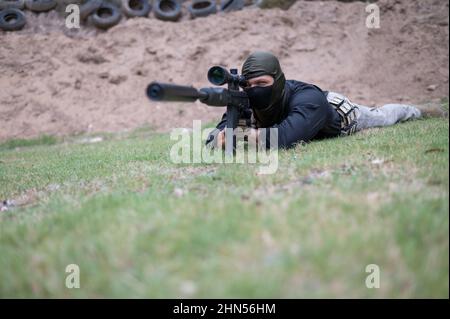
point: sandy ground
(56, 82)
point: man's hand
(221, 139)
(252, 134)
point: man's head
(265, 88)
(262, 80)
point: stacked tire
(136, 8)
(104, 14)
(40, 5)
(167, 10)
(13, 4)
(202, 8)
(12, 17)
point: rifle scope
(218, 75)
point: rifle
(235, 100)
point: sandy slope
(58, 84)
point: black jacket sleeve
(308, 115)
(245, 114)
(223, 122)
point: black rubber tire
(202, 8)
(16, 4)
(40, 5)
(88, 7)
(167, 10)
(106, 16)
(10, 14)
(136, 8)
(231, 5)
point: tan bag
(346, 110)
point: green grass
(283, 4)
(18, 143)
(140, 226)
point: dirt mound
(56, 82)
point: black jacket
(308, 115)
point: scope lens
(154, 91)
(216, 75)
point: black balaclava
(265, 63)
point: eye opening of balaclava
(265, 63)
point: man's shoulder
(299, 85)
(299, 90)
